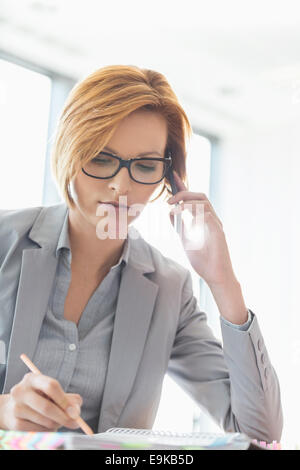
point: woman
(102, 313)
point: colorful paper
(18, 440)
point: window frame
(61, 85)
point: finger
(53, 390)
(74, 398)
(28, 426)
(71, 424)
(182, 230)
(191, 206)
(185, 196)
(208, 219)
(26, 413)
(195, 207)
(75, 401)
(46, 407)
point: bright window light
(24, 112)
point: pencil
(84, 426)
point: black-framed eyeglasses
(142, 170)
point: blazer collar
(47, 229)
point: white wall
(257, 199)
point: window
(24, 113)
(158, 231)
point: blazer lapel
(37, 274)
(135, 307)
(36, 280)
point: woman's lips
(117, 206)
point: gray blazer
(158, 329)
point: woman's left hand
(207, 250)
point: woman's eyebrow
(143, 154)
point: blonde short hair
(95, 107)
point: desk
(18, 440)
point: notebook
(145, 439)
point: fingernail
(170, 200)
(73, 411)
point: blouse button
(72, 347)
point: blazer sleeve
(236, 384)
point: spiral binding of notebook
(144, 439)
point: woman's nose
(121, 182)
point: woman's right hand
(38, 403)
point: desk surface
(18, 440)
